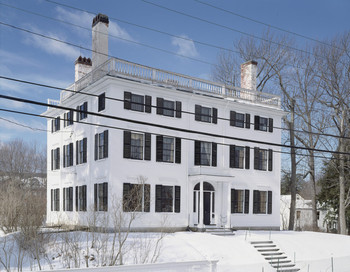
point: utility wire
(228, 28)
(154, 106)
(139, 131)
(265, 24)
(22, 125)
(88, 49)
(167, 127)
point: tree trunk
(342, 220)
(313, 188)
(293, 183)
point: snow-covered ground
(312, 251)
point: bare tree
(334, 69)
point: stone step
(260, 242)
(261, 246)
(275, 257)
(268, 249)
(279, 261)
(282, 265)
(272, 253)
(288, 269)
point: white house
(200, 153)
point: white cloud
(51, 46)
(117, 31)
(185, 47)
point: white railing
(117, 67)
(52, 102)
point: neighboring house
(326, 221)
(163, 138)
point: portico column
(201, 198)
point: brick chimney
(99, 40)
(82, 67)
(248, 75)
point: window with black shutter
(262, 202)
(68, 199)
(136, 102)
(236, 156)
(68, 155)
(101, 196)
(269, 202)
(239, 201)
(55, 124)
(102, 102)
(101, 145)
(261, 159)
(206, 114)
(137, 146)
(136, 197)
(168, 149)
(168, 198)
(270, 158)
(82, 111)
(205, 153)
(80, 198)
(81, 151)
(55, 159)
(55, 198)
(263, 123)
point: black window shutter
(270, 160)
(270, 125)
(52, 198)
(158, 198)
(76, 198)
(246, 201)
(126, 197)
(64, 198)
(148, 104)
(147, 197)
(127, 100)
(160, 105)
(178, 109)
(64, 156)
(85, 108)
(256, 201)
(197, 152)
(65, 119)
(247, 120)
(105, 144)
(58, 123)
(234, 202)
(77, 153)
(177, 198)
(197, 113)
(58, 158)
(71, 153)
(127, 144)
(105, 196)
(159, 148)
(269, 202)
(84, 198)
(214, 147)
(232, 118)
(232, 156)
(247, 157)
(256, 158)
(71, 198)
(96, 146)
(256, 122)
(148, 146)
(52, 125)
(177, 150)
(85, 150)
(215, 115)
(52, 158)
(101, 101)
(95, 196)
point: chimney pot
(100, 18)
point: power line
(265, 24)
(228, 28)
(155, 106)
(167, 127)
(88, 49)
(139, 131)
(22, 125)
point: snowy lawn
(312, 251)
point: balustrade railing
(117, 67)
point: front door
(206, 208)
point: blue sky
(29, 57)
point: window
(262, 202)
(239, 201)
(262, 123)
(80, 198)
(239, 119)
(55, 124)
(68, 155)
(137, 146)
(239, 157)
(168, 198)
(101, 196)
(101, 145)
(68, 118)
(205, 153)
(82, 111)
(101, 102)
(169, 108)
(136, 197)
(137, 102)
(55, 158)
(168, 149)
(81, 151)
(204, 114)
(262, 159)
(55, 200)
(68, 199)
